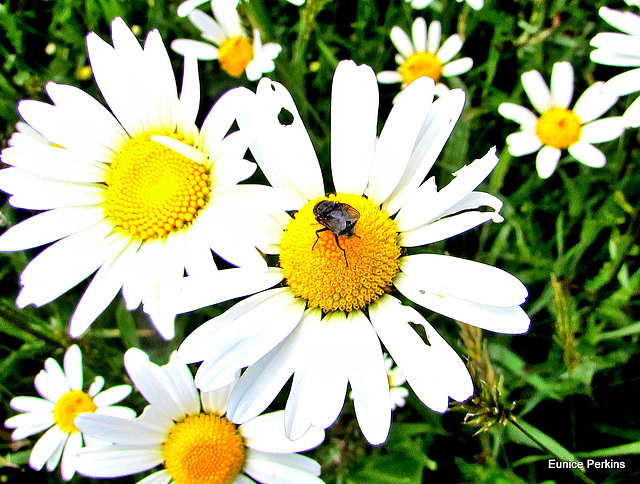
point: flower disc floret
(234, 55)
(421, 64)
(321, 275)
(153, 190)
(204, 449)
(69, 406)
(559, 127)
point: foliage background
(572, 239)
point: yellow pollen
(234, 55)
(321, 275)
(153, 190)
(204, 449)
(69, 406)
(421, 64)
(559, 127)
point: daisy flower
(420, 4)
(140, 195)
(188, 433)
(63, 399)
(236, 52)
(621, 49)
(341, 256)
(185, 8)
(559, 127)
(424, 56)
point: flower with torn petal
(424, 56)
(140, 195)
(236, 52)
(326, 322)
(559, 127)
(189, 434)
(621, 49)
(63, 399)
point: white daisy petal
(419, 34)
(631, 116)
(266, 433)
(601, 130)
(112, 395)
(523, 143)
(457, 67)
(562, 84)
(273, 469)
(322, 384)
(73, 367)
(547, 161)
(46, 446)
(509, 320)
(262, 381)
(194, 48)
(368, 379)
(398, 138)
(119, 431)
(537, 91)
(435, 132)
(242, 335)
(354, 120)
(160, 477)
(71, 448)
(521, 115)
(449, 48)
(593, 103)
(402, 42)
(623, 84)
(226, 13)
(217, 401)
(31, 404)
(445, 228)
(117, 460)
(389, 77)
(186, 7)
(295, 169)
(54, 459)
(627, 22)
(433, 37)
(587, 154)
(28, 424)
(472, 281)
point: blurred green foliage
(572, 239)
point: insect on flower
(338, 217)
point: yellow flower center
(152, 189)
(69, 406)
(559, 127)
(204, 449)
(326, 276)
(421, 64)
(234, 55)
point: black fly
(338, 217)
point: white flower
(185, 8)
(621, 49)
(140, 195)
(424, 56)
(326, 322)
(63, 399)
(235, 51)
(558, 127)
(187, 432)
(420, 4)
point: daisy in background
(185, 8)
(140, 195)
(188, 433)
(424, 56)
(621, 49)
(420, 4)
(559, 127)
(324, 325)
(63, 399)
(236, 52)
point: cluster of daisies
(141, 197)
